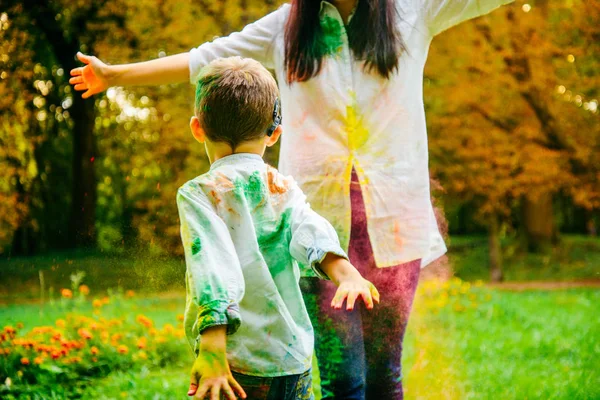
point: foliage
(511, 99)
(535, 344)
(527, 126)
(61, 359)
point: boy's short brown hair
(235, 98)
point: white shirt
(345, 117)
(244, 229)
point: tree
(511, 143)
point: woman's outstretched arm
(255, 41)
(440, 15)
(96, 76)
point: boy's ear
(271, 140)
(197, 130)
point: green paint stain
(331, 38)
(274, 242)
(196, 246)
(254, 189)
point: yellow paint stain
(357, 133)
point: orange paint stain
(397, 236)
(275, 183)
(215, 197)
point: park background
(91, 267)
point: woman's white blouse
(346, 117)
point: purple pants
(360, 352)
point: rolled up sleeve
(440, 15)
(255, 41)
(214, 279)
(313, 237)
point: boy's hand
(92, 77)
(350, 282)
(210, 373)
(351, 289)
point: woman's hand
(210, 373)
(351, 284)
(93, 77)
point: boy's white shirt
(247, 231)
(347, 117)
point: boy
(244, 229)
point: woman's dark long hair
(372, 34)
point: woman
(350, 74)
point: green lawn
(508, 345)
(20, 279)
(574, 258)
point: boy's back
(244, 226)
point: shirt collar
(325, 6)
(236, 158)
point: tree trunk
(496, 273)
(82, 224)
(538, 222)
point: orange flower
(130, 293)
(38, 360)
(55, 354)
(25, 361)
(116, 337)
(94, 326)
(180, 318)
(61, 323)
(75, 359)
(141, 343)
(84, 290)
(122, 349)
(9, 329)
(84, 333)
(94, 350)
(94, 359)
(97, 303)
(105, 300)
(66, 293)
(6, 351)
(142, 319)
(168, 328)
(19, 325)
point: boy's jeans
(289, 387)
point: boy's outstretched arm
(95, 76)
(315, 243)
(210, 372)
(351, 285)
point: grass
(20, 279)
(526, 345)
(513, 345)
(532, 344)
(574, 258)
